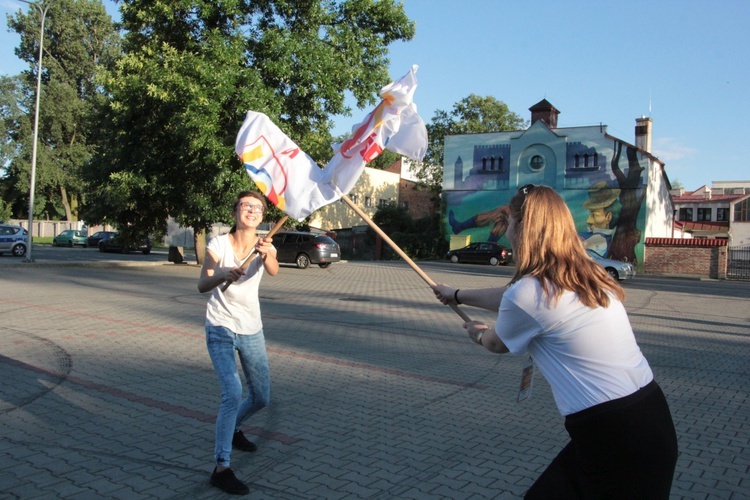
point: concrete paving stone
(139, 483)
(354, 379)
(8, 482)
(359, 490)
(331, 483)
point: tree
(79, 38)
(191, 70)
(471, 115)
(13, 120)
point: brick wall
(698, 257)
(418, 198)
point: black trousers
(621, 449)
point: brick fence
(699, 257)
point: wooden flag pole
(247, 260)
(398, 250)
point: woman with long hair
(565, 312)
(233, 323)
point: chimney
(643, 133)
(545, 112)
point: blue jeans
(222, 344)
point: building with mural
(617, 191)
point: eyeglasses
(526, 189)
(252, 207)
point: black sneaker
(226, 480)
(240, 442)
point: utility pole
(42, 8)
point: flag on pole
(288, 177)
(394, 125)
(292, 181)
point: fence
(738, 263)
(176, 235)
(50, 228)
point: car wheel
(303, 261)
(324, 265)
(613, 272)
(70, 243)
(454, 258)
(146, 251)
(19, 250)
(494, 261)
(101, 248)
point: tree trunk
(66, 204)
(199, 241)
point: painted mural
(601, 178)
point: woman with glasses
(233, 323)
(566, 313)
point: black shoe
(240, 442)
(226, 480)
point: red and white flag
(394, 125)
(292, 181)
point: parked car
(71, 237)
(304, 249)
(13, 239)
(116, 243)
(617, 269)
(98, 236)
(482, 253)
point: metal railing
(738, 263)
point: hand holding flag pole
(250, 256)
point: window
(405, 205)
(368, 201)
(353, 197)
(741, 209)
(722, 214)
(704, 214)
(382, 202)
(536, 162)
(686, 214)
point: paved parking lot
(108, 391)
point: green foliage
(5, 211)
(191, 70)
(420, 240)
(79, 38)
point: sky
(683, 63)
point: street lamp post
(42, 13)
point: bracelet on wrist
(480, 335)
(455, 296)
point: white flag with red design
(292, 181)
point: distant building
(412, 194)
(617, 191)
(396, 185)
(716, 212)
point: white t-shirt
(588, 355)
(238, 308)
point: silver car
(617, 269)
(13, 239)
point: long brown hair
(547, 247)
(245, 194)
